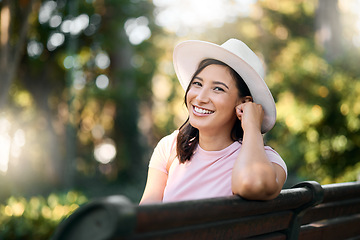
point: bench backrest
(337, 216)
(294, 214)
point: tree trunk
(70, 155)
(10, 55)
(328, 29)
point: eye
(196, 83)
(219, 89)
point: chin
(200, 127)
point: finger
(239, 107)
(239, 112)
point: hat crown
(240, 49)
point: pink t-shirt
(207, 175)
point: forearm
(254, 176)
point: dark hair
(188, 137)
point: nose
(203, 95)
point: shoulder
(164, 151)
(172, 136)
(269, 149)
(275, 157)
(169, 141)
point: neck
(216, 142)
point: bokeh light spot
(102, 81)
(55, 40)
(55, 21)
(69, 62)
(137, 30)
(34, 48)
(46, 10)
(105, 152)
(102, 60)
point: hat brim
(187, 56)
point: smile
(202, 111)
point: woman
(219, 150)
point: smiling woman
(219, 150)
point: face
(211, 100)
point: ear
(246, 99)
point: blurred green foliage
(37, 217)
(317, 97)
(318, 114)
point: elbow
(253, 188)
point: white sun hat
(236, 54)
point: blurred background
(87, 89)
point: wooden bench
(306, 211)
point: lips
(202, 110)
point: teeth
(203, 111)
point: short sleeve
(274, 157)
(162, 152)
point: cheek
(189, 96)
(230, 106)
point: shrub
(37, 217)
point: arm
(254, 176)
(155, 185)
(160, 162)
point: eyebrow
(221, 83)
(214, 82)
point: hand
(250, 114)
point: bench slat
(334, 229)
(271, 236)
(341, 191)
(181, 214)
(331, 210)
(230, 229)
